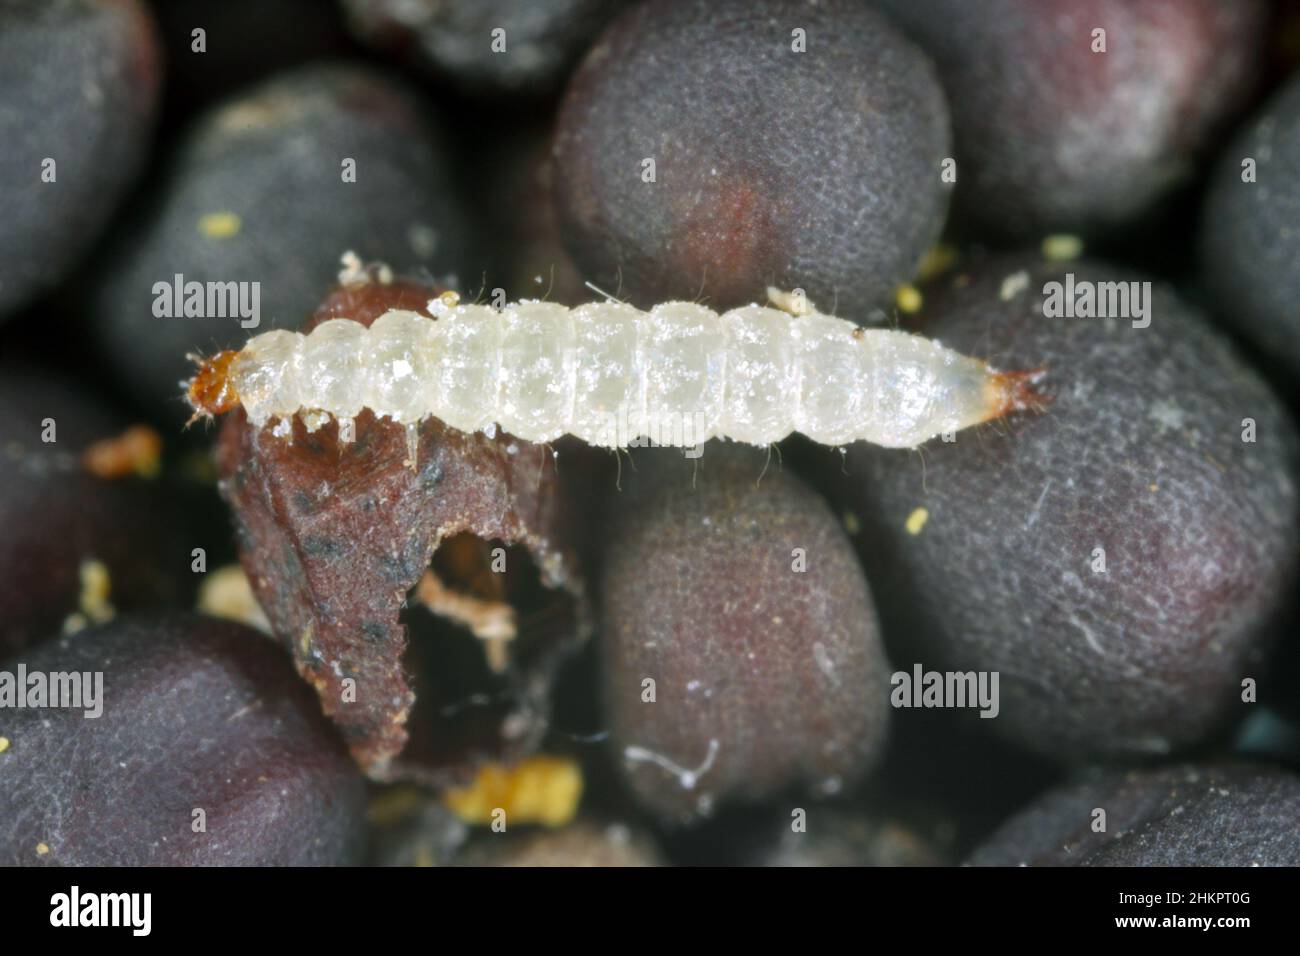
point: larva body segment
(608, 335)
(402, 354)
(270, 370)
(535, 369)
(685, 361)
(332, 377)
(760, 384)
(608, 373)
(467, 368)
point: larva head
(211, 391)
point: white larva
(608, 373)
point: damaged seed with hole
(380, 579)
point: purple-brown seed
(741, 654)
(520, 47)
(208, 750)
(1189, 815)
(1121, 561)
(77, 545)
(1059, 127)
(712, 149)
(80, 82)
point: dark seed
(1054, 135)
(793, 145)
(80, 82)
(209, 751)
(1119, 559)
(740, 644)
(1249, 239)
(259, 199)
(1216, 815)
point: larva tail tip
(1017, 391)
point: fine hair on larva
(608, 373)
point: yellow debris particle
(1062, 247)
(1153, 487)
(390, 807)
(4, 744)
(220, 225)
(305, 638)
(1013, 285)
(226, 593)
(916, 520)
(937, 261)
(42, 849)
(96, 583)
(908, 299)
(541, 789)
(851, 523)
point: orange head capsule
(210, 391)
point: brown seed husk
(333, 537)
